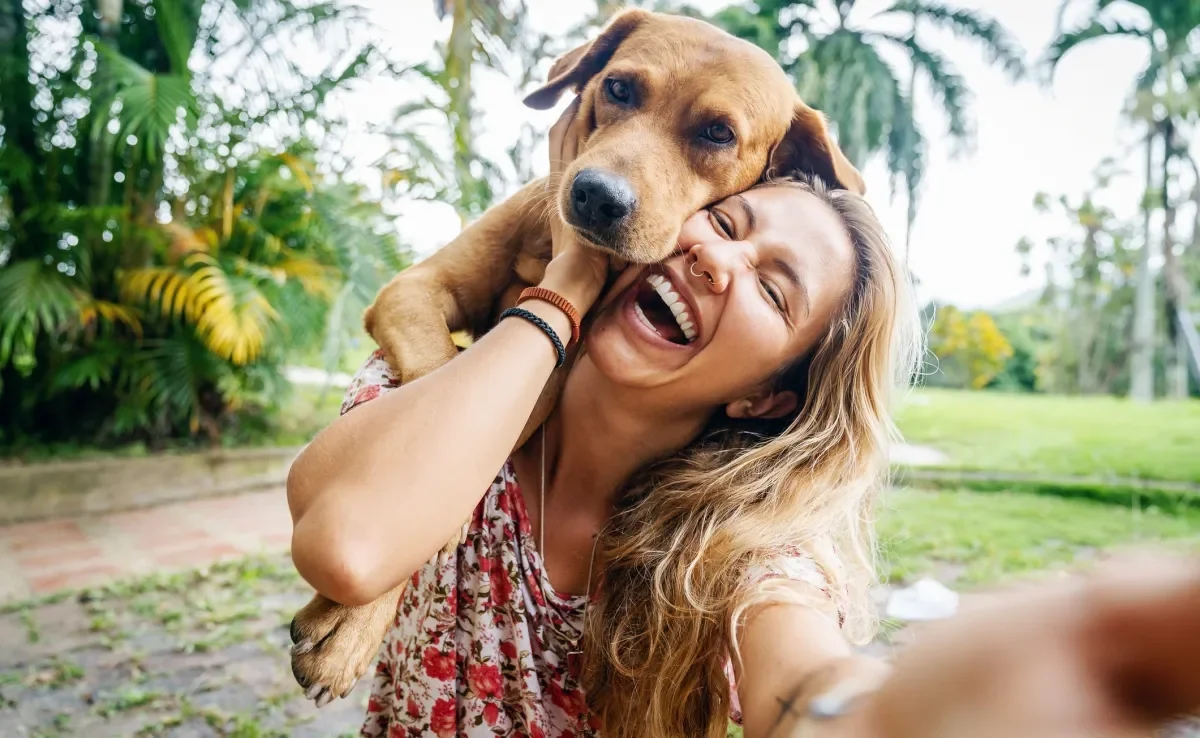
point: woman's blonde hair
(676, 554)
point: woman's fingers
(564, 142)
(1141, 634)
(1109, 654)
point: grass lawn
(1091, 436)
(977, 538)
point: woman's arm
(384, 487)
(791, 655)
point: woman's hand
(577, 272)
(1113, 655)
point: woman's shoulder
(791, 563)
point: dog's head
(679, 114)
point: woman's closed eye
(721, 222)
(774, 294)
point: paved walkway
(40, 558)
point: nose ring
(706, 275)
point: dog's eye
(718, 133)
(618, 91)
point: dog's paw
(333, 645)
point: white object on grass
(927, 599)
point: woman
(687, 538)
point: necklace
(575, 655)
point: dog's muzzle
(602, 204)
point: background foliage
(177, 224)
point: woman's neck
(600, 434)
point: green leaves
(33, 299)
(149, 104)
(1095, 29)
(999, 46)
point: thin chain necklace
(575, 654)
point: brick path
(43, 557)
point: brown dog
(680, 115)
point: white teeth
(642, 317)
(667, 292)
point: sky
(1030, 137)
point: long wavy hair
(687, 529)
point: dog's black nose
(600, 200)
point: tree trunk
(1178, 290)
(459, 59)
(16, 110)
(911, 212)
(1141, 357)
(1088, 329)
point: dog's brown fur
(686, 75)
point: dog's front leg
(334, 644)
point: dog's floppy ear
(574, 68)
(809, 148)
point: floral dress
(482, 644)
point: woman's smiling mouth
(659, 307)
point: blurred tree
(1166, 27)
(485, 35)
(969, 349)
(165, 304)
(1087, 306)
(840, 67)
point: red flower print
(501, 588)
(509, 650)
(484, 680)
(366, 394)
(413, 709)
(570, 701)
(443, 720)
(491, 713)
(535, 731)
(437, 664)
(485, 565)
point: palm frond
(93, 369)
(1093, 30)
(150, 104)
(948, 86)
(34, 300)
(92, 310)
(178, 35)
(231, 315)
(316, 278)
(999, 46)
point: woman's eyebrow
(793, 277)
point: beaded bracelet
(559, 350)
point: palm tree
(154, 306)
(840, 70)
(482, 33)
(1165, 29)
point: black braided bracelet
(545, 327)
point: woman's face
(774, 265)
